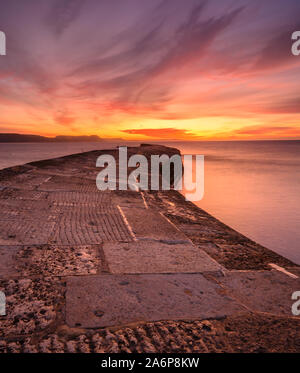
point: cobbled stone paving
(61, 183)
(16, 195)
(90, 225)
(74, 198)
(242, 334)
(57, 228)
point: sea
(252, 186)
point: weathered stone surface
(241, 333)
(54, 260)
(31, 305)
(49, 260)
(76, 198)
(26, 181)
(108, 300)
(227, 246)
(25, 232)
(19, 196)
(85, 225)
(57, 200)
(151, 225)
(62, 183)
(128, 199)
(29, 210)
(265, 291)
(27, 221)
(7, 261)
(157, 257)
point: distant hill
(15, 137)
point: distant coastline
(15, 137)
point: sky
(156, 69)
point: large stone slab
(149, 224)
(25, 232)
(265, 291)
(157, 257)
(107, 300)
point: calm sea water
(252, 186)
(255, 188)
(14, 154)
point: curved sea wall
(85, 270)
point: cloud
(289, 106)
(162, 133)
(164, 60)
(65, 120)
(277, 51)
(194, 37)
(147, 73)
(62, 14)
(144, 46)
(266, 130)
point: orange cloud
(261, 132)
(163, 133)
(264, 130)
(65, 120)
(179, 70)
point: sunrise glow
(193, 70)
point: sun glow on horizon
(192, 71)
